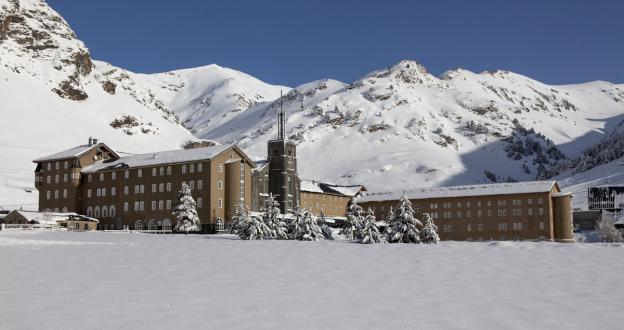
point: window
(98, 192)
(111, 211)
(220, 168)
(480, 227)
(161, 187)
(540, 211)
(502, 213)
(219, 184)
(459, 214)
(516, 212)
(219, 225)
(49, 166)
(162, 171)
(49, 180)
(478, 203)
(89, 211)
(459, 204)
(468, 214)
(126, 190)
(153, 205)
(489, 214)
(183, 169)
(530, 201)
(127, 174)
(66, 165)
(540, 201)
(136, 206)
(114, 176)
(200, 202)
(479, 214)
(137, 189)
(168, 170)
(192, 184)
(65, 177)
(56, 179)
(56, 194)
(200, 184)
(192, 168)
(469, 227)
(56, 166)
(517, 226)
(140, 173)
(103, 192)
(502, 227)
(168, 204)
(125, 207)
(166, 224)
(448, 228)
(489, 203)
(220, 203)
(541, 225)
(138, 225)
(88, 193)
(200, 167)
(90, 178)
(64, 193)
(48, 194)
(467, 204)
(153, 187)
(101, 176)
(104, 211)
(142, 206)
(530, 211)
(161, 205)
(96, 212)
(168, 186)
(154, 171)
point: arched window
(104, 211)
(90, 211)
(166, 224)
(112, 211)
(162, 171)
(219, 225)
(65, 210)
(138, 225)
(96, 212)
(152, 225)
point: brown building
(333, 200)
(534, 210)
(140, 191)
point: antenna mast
(282, 126)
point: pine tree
(237, 219)
(355, 219)
(185, 211)
(275, 225)
(251, 227)
(327, 232)
(304, 226)
(429, 232)
(370, 231)
(403, 227)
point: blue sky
(293, 42)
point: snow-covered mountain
(396, 127)
(403, 127)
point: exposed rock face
(109, 87)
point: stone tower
(282, 158)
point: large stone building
(535, 210)
(139, 191)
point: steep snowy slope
(403, 127)
(206, 97)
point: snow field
(138, 281)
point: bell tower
(282, 158)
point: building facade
(140, 191)
(330, 199)
(502, 211)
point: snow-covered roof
(157, 158)
(69, 153)
(320, 187)
(45, 218)
(506, 188)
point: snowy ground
(63, 280)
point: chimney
(95, 141)
(90, 141)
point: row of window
(57, 178)
(479, 213)
(139, 206)
(57, 165)
(140, 189)
(468, 204)
(192, 168)
(502, 226)
(56, 194)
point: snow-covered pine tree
(370, 231)
(272, 218)
(355, 221)
(185, 211)
(608, 232)
(251, 227)
(403, 227)
(304, 226)
(327, 232)
(429, 232)
(237, 219)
